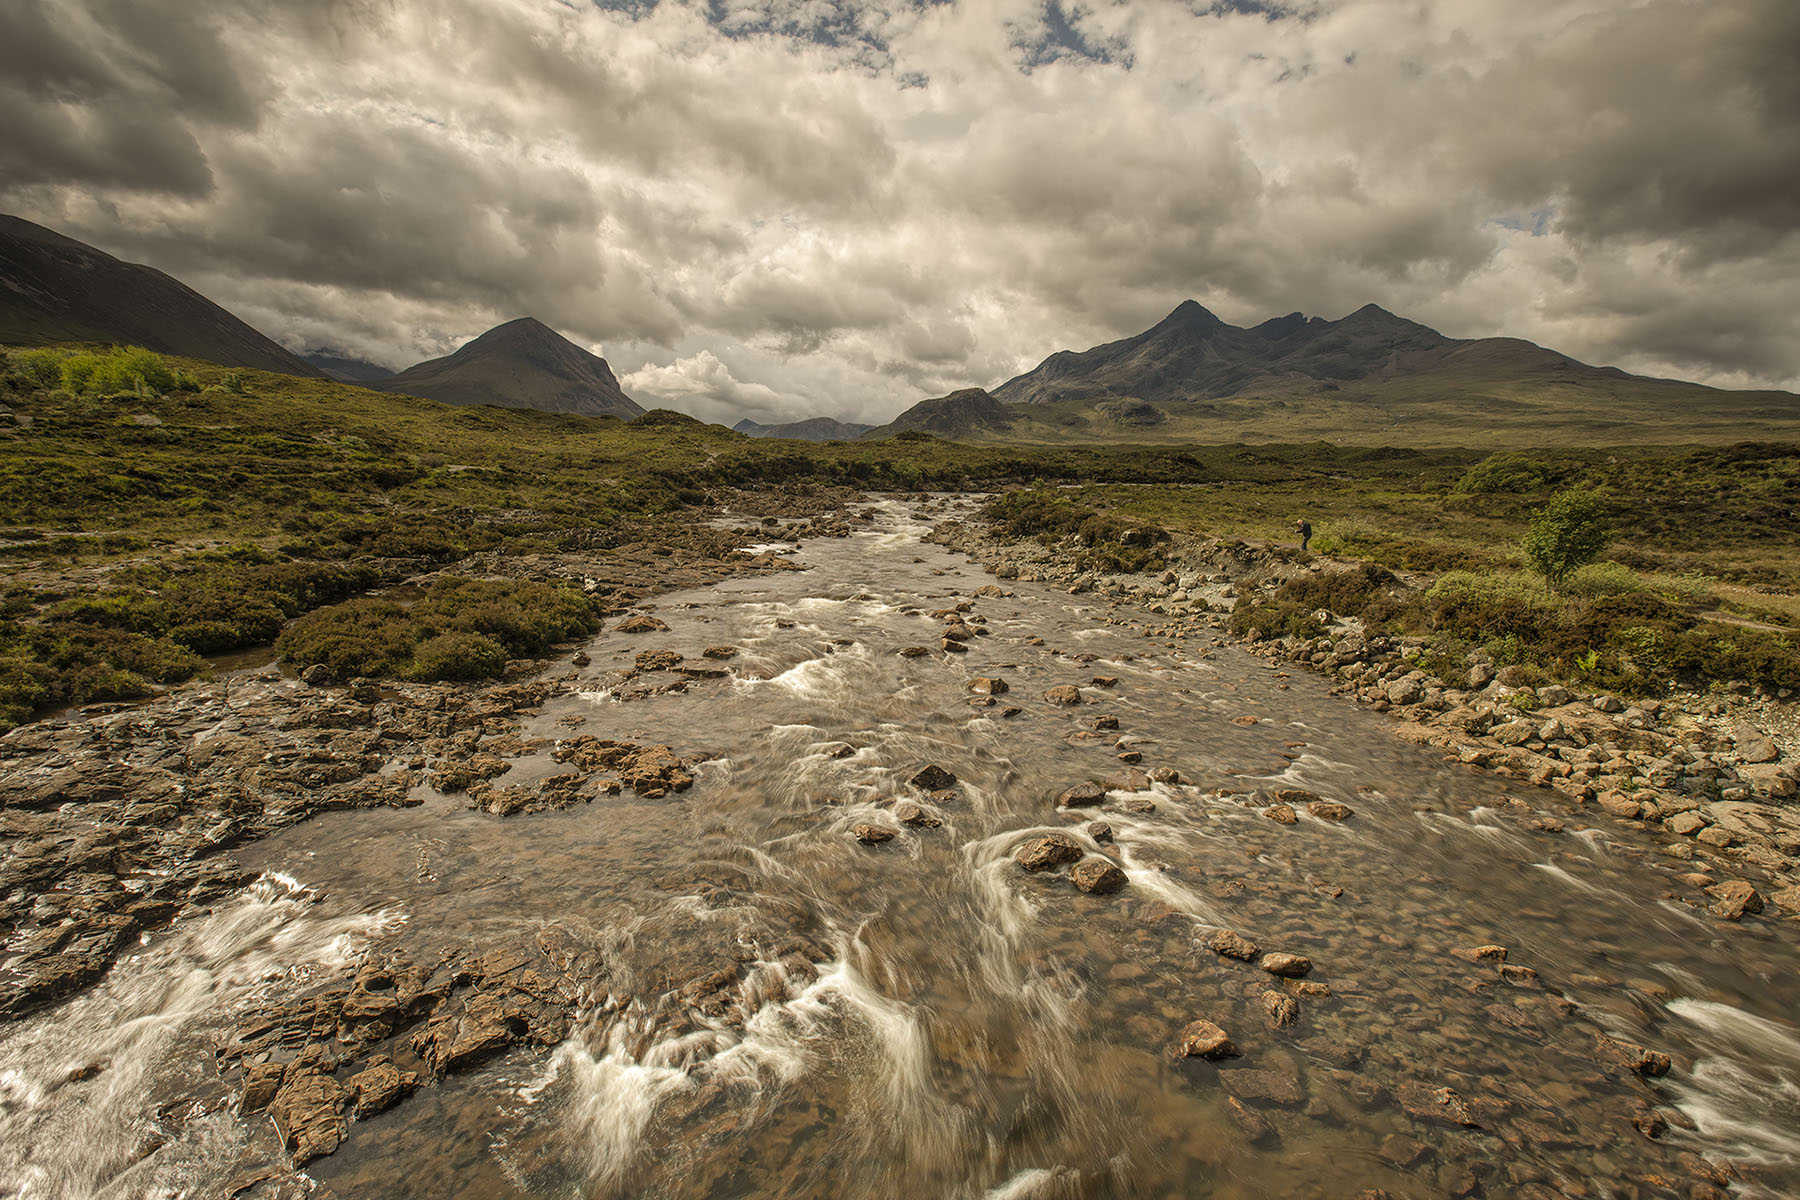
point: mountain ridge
(54, 288)
(521, 363)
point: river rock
(933, 778)
(719, 652)
(1082, 795)
(658, 660)
(908, 813)
(1129, 780)
(1687, 824)
(913, 651)
(1256, 1083)
(1097, 876)
(872, 835)
(1102, 724)
(1288, 966)
(1631, 1056)
(1330, 810)
(1754, 746)
(986, 685)
(379, 1086)
(1733, 898)
(305, 1112)
(641, 623)
(1203, 1039)
(1231, 944)
(1254, 1125)
(1280, 1010)
(1064, 694)
(1281, 814)
(1052, 850)
(1787, 899)
(1100, 831)
(1426, 1103)
(1476, 954)
(1619, 805)
(655, 771)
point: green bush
(1507, 472)
(458, 656)
(460, 629)
(42, 368)
(1566, 534)
(124, 369)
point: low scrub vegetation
(459, 629)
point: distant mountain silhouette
(521, 364)
(1370, 377)
(814, 429)
(346, 370)
(970, 413)
(56, 289)
(1192, 355)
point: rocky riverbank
(1715, 775)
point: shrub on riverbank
(460, 629)
(1611, 630)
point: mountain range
(1369, 378)
(814, 429)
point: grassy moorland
(1699, 581)
(157, 510)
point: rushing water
(956, 1026)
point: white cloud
(821, 208)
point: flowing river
(923, 1017)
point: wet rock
(913, 651)
(719, 652)
(872, 835)
(658, 660)
(1052, 850)
(306, 1112)
(1281, 814)
(985, 685)
(1203, 1039)
(1100, 831)
(1787, 899)
(1476, 954)
(1402, 1151)
(1732, 899)
(641, 623)
(1064, 694)
(837, 749)
(655, 771)
(1231, 944)
(1166, 775)
(953, 646)
(1097, 876)
(908, 813)
(1619, 805)
(1280, 1010)
(1426, 1103)
(1128, 780)
(1330, 810)
(1254, 1125)
(1631, 1056)
(933, 778)
(581, 658)
(1288, 966)
(378, 1087)
(1082, 795)
(1256, 1083)
(1105, 681)
(1143, 806)
(261, 1082)
(1102, 724)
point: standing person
(1305, 528)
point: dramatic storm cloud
(786, 208)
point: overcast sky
(787, 208)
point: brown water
(923, 1018)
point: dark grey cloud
(819, 206)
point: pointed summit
(1189, 316)
(521, 364)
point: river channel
(921, 1017)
